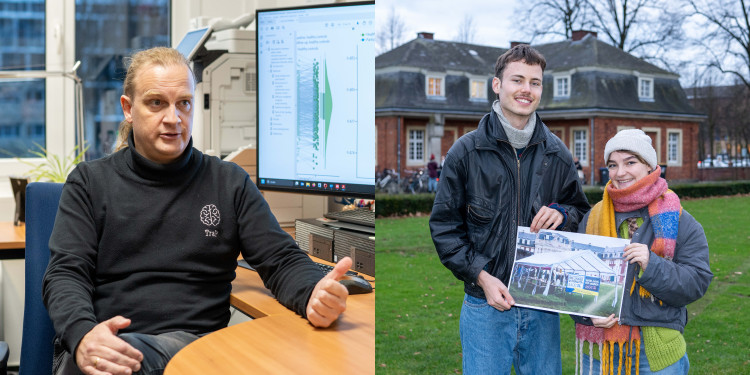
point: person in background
(512, 171)
(432, 170)
(146, 240)
(579, 168)
(669, 268)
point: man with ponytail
(146, 240)
(669, 268)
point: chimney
(425, 35)
(513, 44)
(580, 34)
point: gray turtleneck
(517, 138)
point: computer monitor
(192, 42)
(316, 99)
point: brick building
(431, 92)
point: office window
(106, 32)
(477, 89)
(416, 145)
(562, 87)
(435, 85)
(22, 101)
(645, 89)
(674, 141)
(580, 145)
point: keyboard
(360, 216)
(328, 268)
(323, 267)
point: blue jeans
(492, 341)
(157, 351)
(432, 185)
(680, 367)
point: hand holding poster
(567, 272)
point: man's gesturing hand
(328, 299)
(495, 291)
(102, 352)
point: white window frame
(415, 159)
(481, 94)
(427, 78)
(559, 91)
(649, 95)
(657, 142)
(677, 161)
(584, 158)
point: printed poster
(571, 273)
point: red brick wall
(723, 174)
(387, 133)
(604, 129)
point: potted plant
(52, 168)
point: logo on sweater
(210, 215)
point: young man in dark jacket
(511, 171)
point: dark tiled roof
(602, 88)
(441, 56)
(615, 91)
(591, 52)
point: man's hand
(637, 253)
(495, 291)
(328, 299)
(608, 322)
(546, 218)
(102, 352)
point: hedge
(408, 204)
(403, 204)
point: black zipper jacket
(486, 191)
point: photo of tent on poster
(570, 273)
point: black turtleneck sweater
(158, 244)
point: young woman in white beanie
(669, 252)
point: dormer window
(435, 85)
(478, 89)
(645, 89)
(562, 87)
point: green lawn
(419, 302)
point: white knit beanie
(632, 140)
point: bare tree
(391, 32)
(645, 28)
(727, 35)
(556, 18)
(648, 29)
(467, 30)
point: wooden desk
(278, 341)
(12, 241)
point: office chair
(4, 353)
(42, 200)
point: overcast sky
(493, 19)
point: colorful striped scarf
(664, 209)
